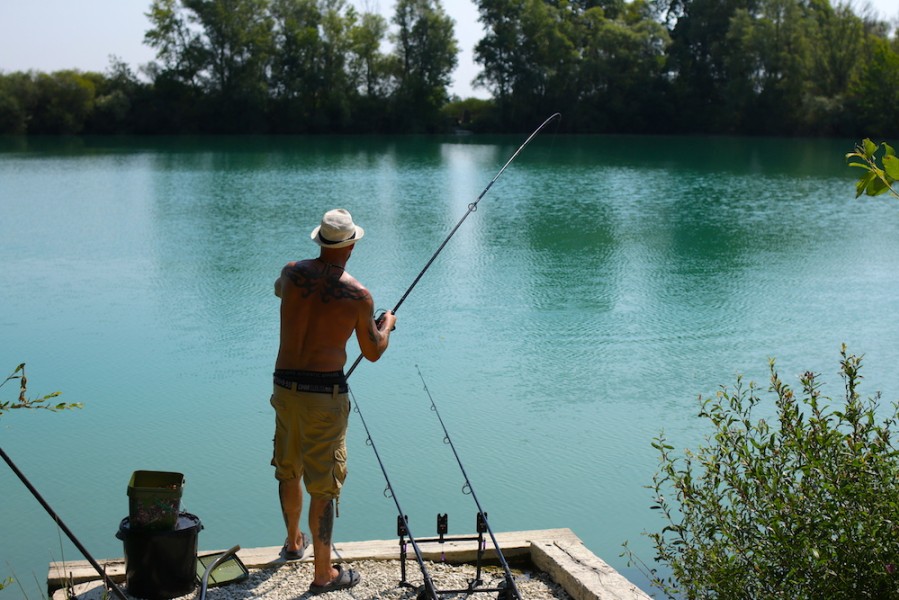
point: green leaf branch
(42, 402)
(24, 402)
(881, 168)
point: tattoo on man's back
(327, 286)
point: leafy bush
(806, 509)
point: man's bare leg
(291, 496)
(321, 523)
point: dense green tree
(839, 38)
(295, 66)
(171, 106)
(370, 73)
(768, 62)
(621, 71)
(529, 58)
(497, 52)
(179, 48)
(368, 65)
(548, 82)
(17, 96)
(600, 63)
(236, 47)
(783, 67)
(339, 18)
(611, 9)
(178, 91)
(875, 92)
(63, 101)
(312, 79)
(13, 118)
(222, 47)
(780, 67)
(117, 91)
(425, 57)
(698, 30)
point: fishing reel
(379, 318)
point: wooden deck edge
(582, 574)
(557, 552)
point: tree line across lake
(756, 67)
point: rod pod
(429, 592)
(511, 590)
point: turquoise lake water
(602, 285)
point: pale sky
(50, 35)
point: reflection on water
(602, 284)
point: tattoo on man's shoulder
(302, 278)
(310, 282)
(339, 290)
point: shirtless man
(321, 306)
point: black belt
(311, 381)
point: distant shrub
(807, 508)
(471, 114)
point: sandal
(295, 554)
(343, 581)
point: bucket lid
(186, 522)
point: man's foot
(298, 553)
(344, 580)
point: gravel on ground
(381, 580)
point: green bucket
(154, 500)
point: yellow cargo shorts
(310, 439)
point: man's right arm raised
(373, 340)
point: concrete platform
(557, 552)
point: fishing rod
(429, 592)
(471, 208)
(468, 489)
(110, 584)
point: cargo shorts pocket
(340, 469)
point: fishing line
(471, 208)
(468, 489)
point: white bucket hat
(337, 230)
